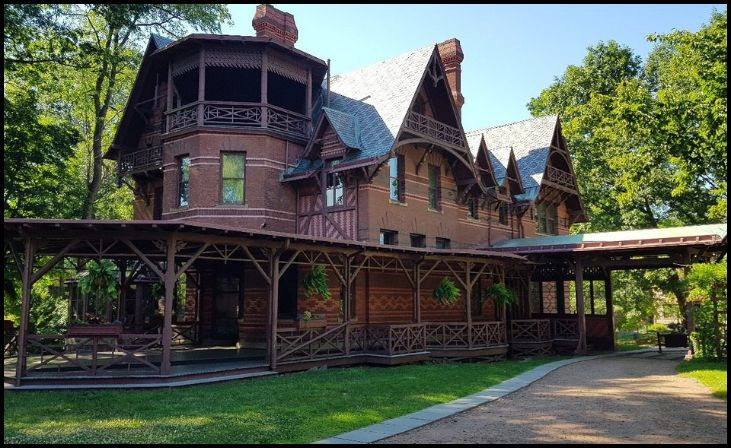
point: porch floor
(185, 360)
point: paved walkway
(615, 398)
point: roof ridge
(404, 54)
(482, 130)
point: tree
(93, 48)
(648, 139)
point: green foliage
(446, 292)
(501, 295)
(712, 374)
(300, 408)
(708, 288)
(36, 153)
(315, 282)
(658, 328)
(99, 283)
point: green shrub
(659, 328)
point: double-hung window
(183, 180)
(233, 176)
(434, 188)
(396, 184)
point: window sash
(233, 178)
(335, 190)
(183, 181)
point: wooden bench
(671, 340)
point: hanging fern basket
(315, 283)
(501, 295)
(446, 292)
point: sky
(512, 52)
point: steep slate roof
(378, 98)
(160, 41)
(499, 167)
(531, 143)
(345, 125)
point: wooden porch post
(346, 290)
(417, 292)
(167, 326)
(201, 85)
(610, 306)
(308, 101)
(273, 305)
(581, 346)
(26, 276)
(169, 101)
(121, 302)
(264, 92)
(468, 301)
(560, 297)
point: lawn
(644, 340)
(711, 373)
(295, 408)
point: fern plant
(446, 292)
(100, 283)
(315, 283)
(501, 295)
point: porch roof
(45, 228)
(705, 235)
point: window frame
(473, 208)
(180, 182)
(446, 242)
(419, 238)
(330, 186)
(386, 232)
(222, 179)
(503, 213)
(434, 192)
(400, 185)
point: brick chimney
(275, 24)
(451, 53)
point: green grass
(711, 373)
(296, 408)
(627, 342)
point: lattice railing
(560, 177)
(183, 117)
(397, 339)
(91, 355)
(286, 121)
(487, 334)
(140, 161)
(565, 328)
(435, 129)
(186, 332)
(232, 114)
(530, 330)
(460, 335)
(294, 345)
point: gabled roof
(476, 143)
(530, 140)
(160, 41)
(377, 97)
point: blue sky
(512, 52)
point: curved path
(636, 398)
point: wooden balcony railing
(140, 161)
(460, 335)
(429, 127)
(346, 339)
(239, 115)
(530, 330)
(91, 355)
(564, 328)
(560, 177)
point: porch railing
(140, 161)
(346, 339)
(430, 127)
(560, 177)
(91, 355)
(530, 330)
(185, 332)
(461, 335)
(237, 114)
(564, 328)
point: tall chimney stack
(451, 53)
(275, 24)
